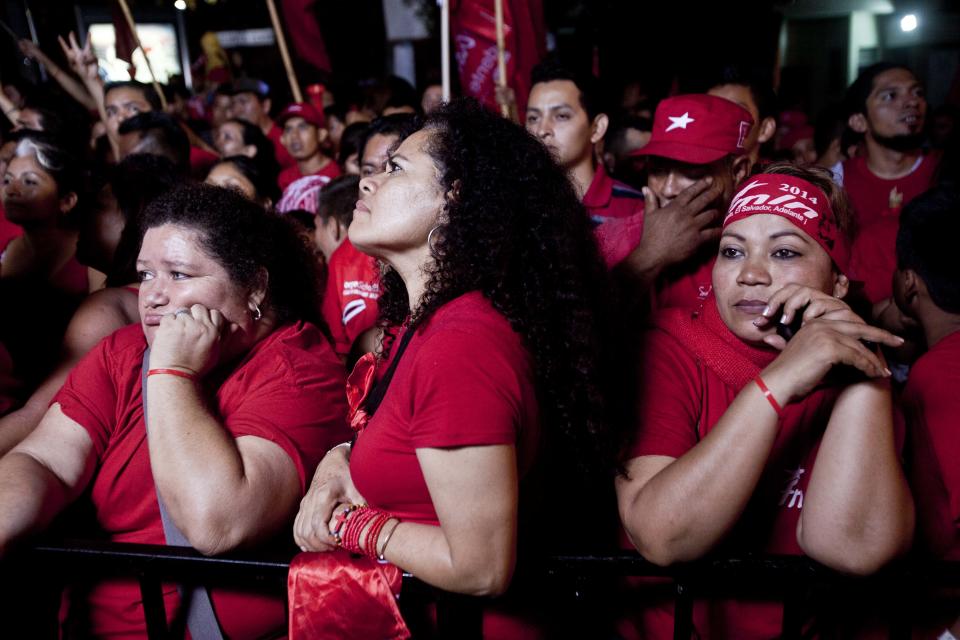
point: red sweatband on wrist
(769, 395)
(172, 372)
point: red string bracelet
(769, 395)
(172, 372)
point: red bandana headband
(797, 201)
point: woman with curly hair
(494, 280)
(765, 421)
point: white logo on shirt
(792, 496)
(352, 309)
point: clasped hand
(190, 339)
(330, 491)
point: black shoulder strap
(379, 390)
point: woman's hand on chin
(784, 306)
(332, 485)
(831, 334)
(189, 339)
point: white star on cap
(680, 122)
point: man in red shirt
(888, 108)
(382, 137)
(251, 102)
(349, 304)
(303, 137)
(564, 112)
(697, 156)
(926, 289)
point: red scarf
(338, 595)
(703, 333)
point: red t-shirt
(465, 380)
(873, 258)
(687, 284)
(288, 389)
(73, 278)
(682, 285)
(608, 199)
(289, 175)
(681, 400)
(8, 230)
(200, 161)
(931, 404)
(284, 159)
(350, 298)
(874, 198)
(617, 237)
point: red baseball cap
(302, 110)
(697, 128)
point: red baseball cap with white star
(698, 129)
(301, 110)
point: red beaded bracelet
(172, 372)
(769, 395)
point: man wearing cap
(563, 111)
(251, 102)
(697, 156)
(303, 135)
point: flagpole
(284, 54)
(501, 54)
(33, 37)
(445, 47)
(136, 40)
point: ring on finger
(179, 312)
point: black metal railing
(788, 579)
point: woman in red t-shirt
(216, 406)
(109, 237)
(491, 270)
(41, 188)
(748, 442)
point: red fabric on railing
(340, 595)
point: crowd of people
(406, 335)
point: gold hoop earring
(256, 313)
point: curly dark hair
(517, 232)
(135, 182)
(244, 238)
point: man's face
(668, 178)
(123, 103)
(741, 95)
(300, 138)
(220, 110)
(228, 139)
(248, 106)
(556, 117)
(376, 152)
(896, 106)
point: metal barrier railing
(783, 578)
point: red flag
(123, 41)
(301, 23)
(474, 29)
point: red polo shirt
(608, 199)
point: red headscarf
(797, 201)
